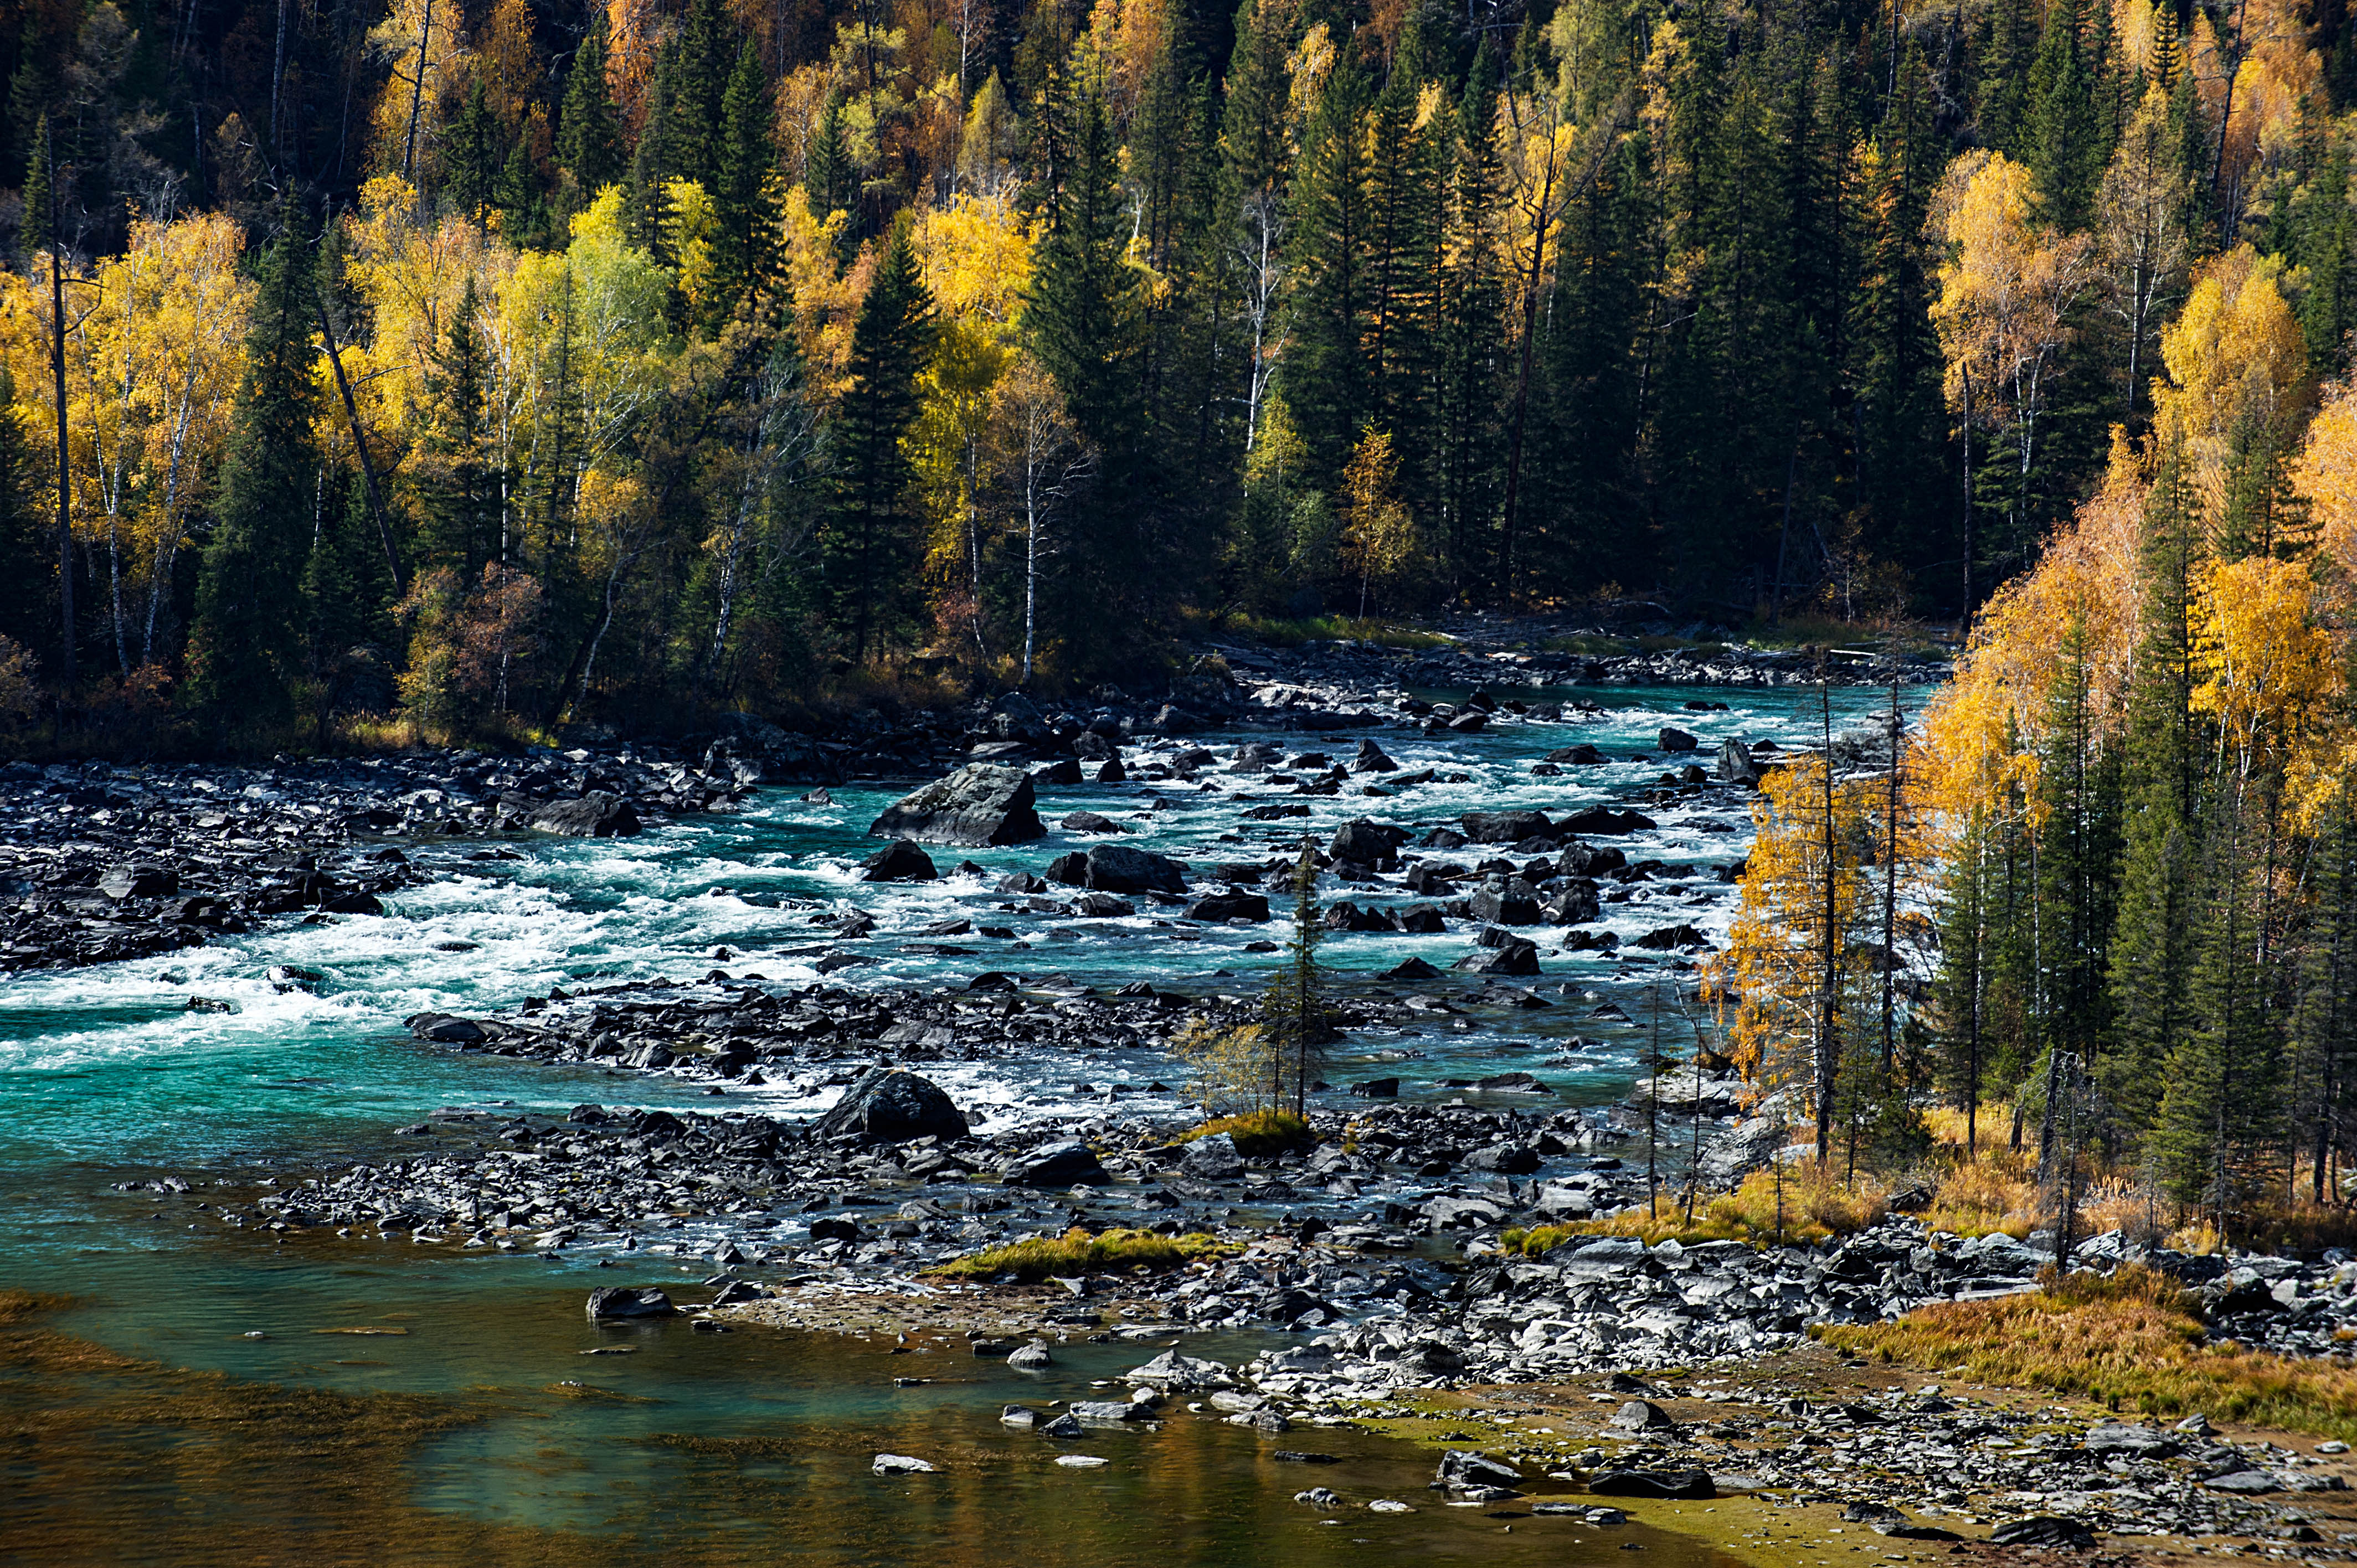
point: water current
(752, 1444)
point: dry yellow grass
(1256, 1132)
(2130, 1341)
(1809, 1204)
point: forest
(473, 368)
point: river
(472, 1425)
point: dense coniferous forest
(476, 365)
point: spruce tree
(1328, 383)
(871, 545)
(462, 509)
(2065, 140)
(1473, 350)
(589, 131)
(470, 158)
(245, 646)
(744, 243)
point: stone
(628, 1302)
(140, 879)
(1119, 868)
(1318, 1498)
(980, 803)
(1371, 759)
(1082, 1461)
(597, 816)
(2135, 1442)
(1022, 1417)
(1412, 969)
(1467, 1467)
(1669, 938)
(1178, 1372)
(1032, 1358)
(1675, 739)
(1363, 842)
(1642, 1415)
(1213, 1158)
(1582, 754)
(900, 1465)
(2050, 1530)
(1378, 1088)
(1091, 823)
(1735, 764)
(1063, 1163)
(1109, 1411)
(1221, 907)
(445, 1029)
(1512, 1083)
(899, 860)
(1515, 957)
(1688, 1486)
(1506, 827)
(887, 1105)
(1064, 1427)
(1603, 821)
(1505, 901)
(2247, 1483)
(1064, 772)
(1103, 906)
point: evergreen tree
(245, 644)
(35, 229)
(2065, 140)
(1473, 350)
(28, 608)
(744, 245)
(524, 210)
(462, 524)
(1330, 384)
(2323, 233)
(589, 131)
(2326, 1023)
(872, 543)
(470, 158)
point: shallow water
(105, 1077)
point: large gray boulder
(981, 803)
(1506, 827)
(887, 1105)
(597, 815)
(1055, 1165)
(627, 1301)
(1367, 843)
(1118, 868)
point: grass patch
(1077, 1251)
(1280, 631)
(2130, 1341)
(1814, 1204)
(1258, 1133)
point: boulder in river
(629, 1301)
(1118, 868)
(1230, 907)
(1735, 764)
(1506, 827)
(887, 1105)
(1371, 759)
(1676, 739)
(1213, 1158)
(899, 860)
(1064, 1163)
(597, 815)
(981, 803)
(1606, 823)
(1367, 843)
(1513, 957)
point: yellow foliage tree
(1379, 541)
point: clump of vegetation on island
(1077, 1251)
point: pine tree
(2078, 849)
(1960, 990)
(2322, 247)
(697, 65)
(34, 228)
(1473, 348)
(524, 210)
(1295, 1007)
(245, 645)
(589, 131)
(871, 544)
(744, 247)
(2326, 1023)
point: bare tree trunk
(417, 95)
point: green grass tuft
(1077, 1251)
(1258, 1133)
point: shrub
(1258, 1133)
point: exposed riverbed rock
(629, 1302)
(597, 816)
(899, 860)
(981, 803)
(1118, 868)
(886, 1105)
